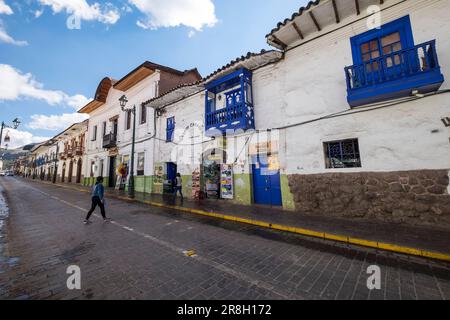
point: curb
(304, 232)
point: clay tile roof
(236, 61)
(185, 90)
(154, 66)
(177, 88)
(295, 15)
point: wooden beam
(358, 11)
(278, 42)
(336, 12)
(297, 29)
(311, 14)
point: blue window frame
(391, 37)
(388, 65)
(170, 129)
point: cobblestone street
(142, 254)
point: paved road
(141, 254)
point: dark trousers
(178, 189)
(96, 202)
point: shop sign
(274, 163)
(266, 147)
(159, 175)
(196, 184)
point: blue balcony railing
(229, 114)
(394, 75)
(237, 112)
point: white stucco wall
(76, 134)
(187, 112)
(141, 92)
(94, 149)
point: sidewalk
(428, 242)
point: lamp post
(15, 125)
(123, 103)
(55, 170)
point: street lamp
(55, 160)
(15, 125)
(123, 103)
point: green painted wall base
(288, 197)
(143, 184)
(243, 188)
(243, 193)
(88, 182)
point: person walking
(98, 199)
(178, 186)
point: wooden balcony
(110, 141)
(394, 75)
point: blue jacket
(98, 191)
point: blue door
(266, 183)
(171, 171)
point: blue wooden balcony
(394, 75)
(236, 112)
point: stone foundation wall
(410, 197)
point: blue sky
(47, 69)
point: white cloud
(15, 85)
(38, 13)
(21, 138)
(77, 101)
(55, 122)
(6, 38)
(195, 14)
(4, 8)
(127, 9)
(142, 25)
(106, 13)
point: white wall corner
(448, 189)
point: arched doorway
(79, 167)
(70, 172)
(63, 174)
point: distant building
(71, 148)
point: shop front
(211, 169)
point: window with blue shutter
(170, 129)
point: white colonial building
(43, 161)
(110, 128)
(71, 145)
(351, 116)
